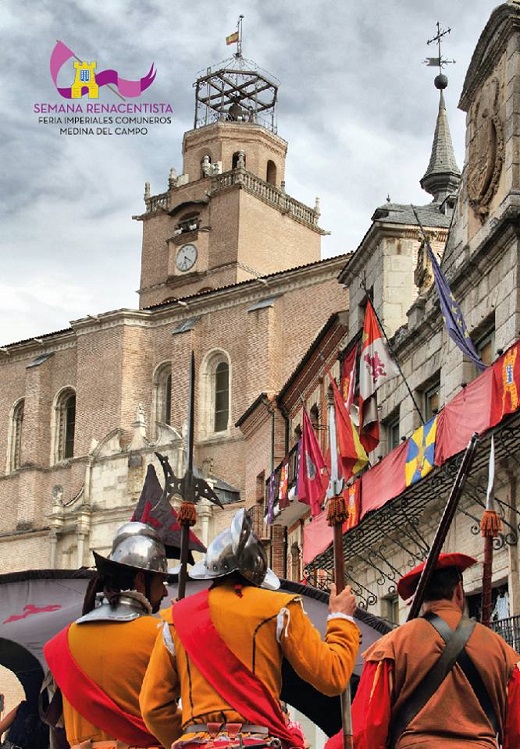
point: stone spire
(442, 176)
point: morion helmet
(135, 545)
(237, 549)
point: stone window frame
(213, 360)
(14, 438)
(392, 425)
(271, 172)
(162, 393)
(64, 425)
(485, 346)
(430, 395)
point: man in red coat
(476, 696)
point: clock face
(186, 257)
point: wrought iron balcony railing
(509, 629)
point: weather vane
(438, 61)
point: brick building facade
(229, 263)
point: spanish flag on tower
(232, 38)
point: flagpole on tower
(239, 45)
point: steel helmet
(135, 545)
(237, 549)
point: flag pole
(190, 487)
(239, 43)
(443, 527)
(490, 527)
(337, 513)
(363, 286)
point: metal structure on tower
(441, 81)
(236, 90)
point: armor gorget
(130, 605)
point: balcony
(268, 193)
(287, 509)
(509, 629)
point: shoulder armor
(126, 610)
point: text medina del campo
(78, 115)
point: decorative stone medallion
(486, 150)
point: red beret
(408, 583)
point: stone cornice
(251, 291)
(378, 232)
(232, 131)
(503, 22)
(50, 343)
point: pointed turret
(442, 176)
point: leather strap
(433, 679)
(470, 671)
(244, 728)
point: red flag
(348, 377)
(312, 471)
(506, 384)
(376, 366)
(466, 413)
(352, 456)
(385, 480)
(317, 536)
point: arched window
(15, 436)
(239, 159)
(188, 222)
(216, 392)
(65, 423)
(295, 562)
(221, 412)
(271, 172)
(162, 393)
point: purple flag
(452, 314)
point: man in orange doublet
(469, 708)
(260, 626)
(99, 661)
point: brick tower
(227, 217)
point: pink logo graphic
(32, 609)
(88, 82)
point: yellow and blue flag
(421, 452)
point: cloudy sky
(356, 105)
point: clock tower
(227, 218)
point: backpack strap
(470, 671)
(433, 679)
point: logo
(32, 609)
(88, 82)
